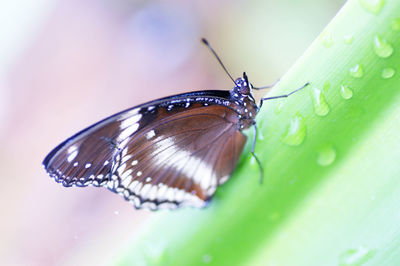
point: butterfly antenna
(216, 56)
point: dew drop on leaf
(327, 39)
(320, 105)
(295, 132)
(346, 92)
(326, 154)
(388, 72)
(382, 48)
(356, 71)
(373, 6)
(278, 107)
(355, 256)
(348, 38)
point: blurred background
(64, 64)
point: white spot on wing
(144, 191)
(130, 121)
(126, 158)
(150, 134)
(132, 186)
(124, 152)
(128, 132)
(134, 162)
(88, 165)
(129, 113)
(137, 188)
(121, 169)
(180, 195)
(126, 181)
(153, 193)
(170, 193)
(72, 155)
(136, 202)
(72, 149)
(195, 167)
(162, 189)
(223, 179)
(127, 174)
(123, 143)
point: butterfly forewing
(156, 155)
(86, 158)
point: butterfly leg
(255, 125)
(253, 146)
(282, 96)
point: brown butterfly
(166, 153)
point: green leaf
(331, 157)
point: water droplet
(295, 132)
(348, 39)
(326, 154)
(388, 72)
(381, 47)
(207, 258)
(395, 24)
(321, 107)
(327, 39)
(346, 92)
(356, 71)
(278, 106)
(355, 256)
(326, 86)
(373, 6)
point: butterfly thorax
(245, 104)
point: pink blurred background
(66, 64)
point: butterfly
(166, 153)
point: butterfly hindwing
(184, 167)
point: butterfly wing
(164, 154)
(86, 158)
(161, 167)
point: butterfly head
(243, 88)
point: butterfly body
(166, 153)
